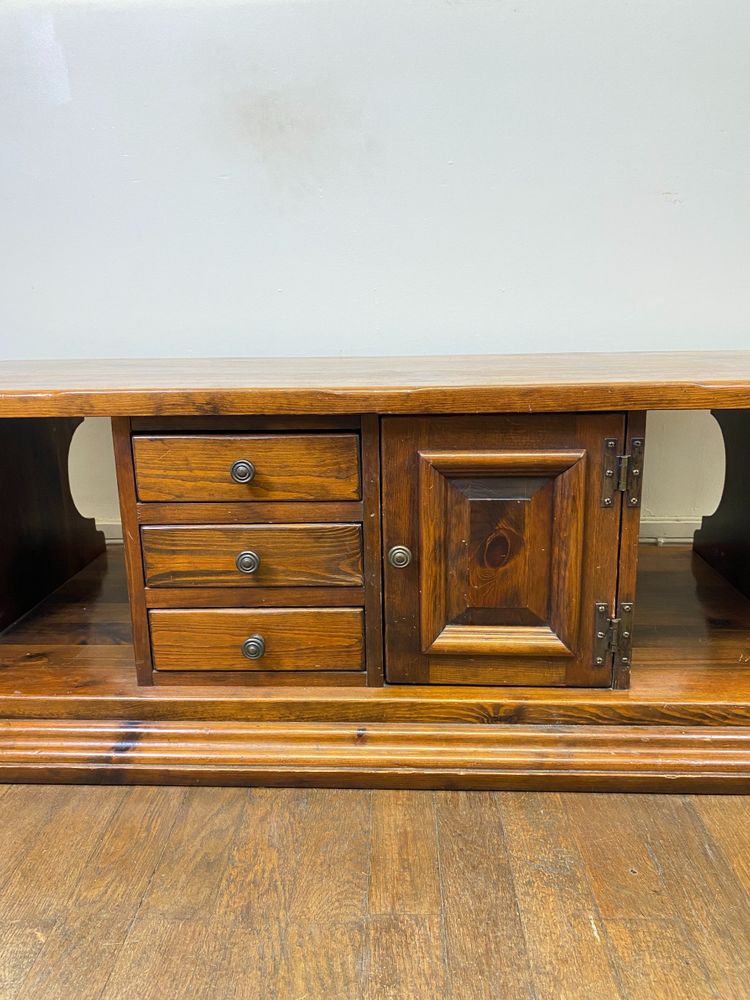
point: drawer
(206, 467)
(253, 555)
(266, 639)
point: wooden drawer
(298, 639)
(283, 466)
(290, 555)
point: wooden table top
(453, 384)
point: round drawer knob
(242, 471)
(399, 556)
(247, 562)
(254, 647)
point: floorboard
(112, 893)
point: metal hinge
(613, 636)
(622, 473)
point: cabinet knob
(242, 471)
(247, 562)
(254, 647)
(399, 556)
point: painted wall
(373, 176)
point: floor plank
(300, 855)
(727, 821)
(79, 951)
(24, 815)
(484, 940)
(44, 881)
(404, 874)
(656, 958)
(156, 961)
(299, 894)
(20, 944)
(563, 929)
(701, 888)
(337, 971)
(625, 880)
(186, 881)
(404, 958)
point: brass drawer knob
(242, 471)
(399, 556)
(247, 562)
(254, 647)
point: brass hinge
(622, 473)
(613, 636)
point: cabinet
(381, 573)
(501, 552)
(511, 549)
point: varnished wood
(551, 883)
(263, 512)
(126, 490)
(43, 539)
(459, 614)
(291, 555)
(261, 678)
(458, 384)
(688, 679)
(378, 755)
(627, 576)
(683, 720)
(71, 658)
(171, 468)
(723, 539)
(254, 597)
(248, 423)
(373, 556)
(481, 579)
(474, 895)
(296, 639)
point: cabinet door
(511, 547)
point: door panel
(511, 547)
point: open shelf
(71, 658)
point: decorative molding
(591, 758)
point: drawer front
(253, 555)
(205, 467)
(266, 639)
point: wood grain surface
(375, 895)
(463, 612)
(291, 555)
(126, 491)
(71, 658)
(197, 468)
(378, 755)
(295, 639)
(457, 384)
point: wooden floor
(263, 893)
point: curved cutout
(91, 472)
(684, 473)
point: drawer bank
(413, 572)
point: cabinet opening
(692, 622)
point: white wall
(373, 176)
(376, 176)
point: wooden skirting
(590, 758)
